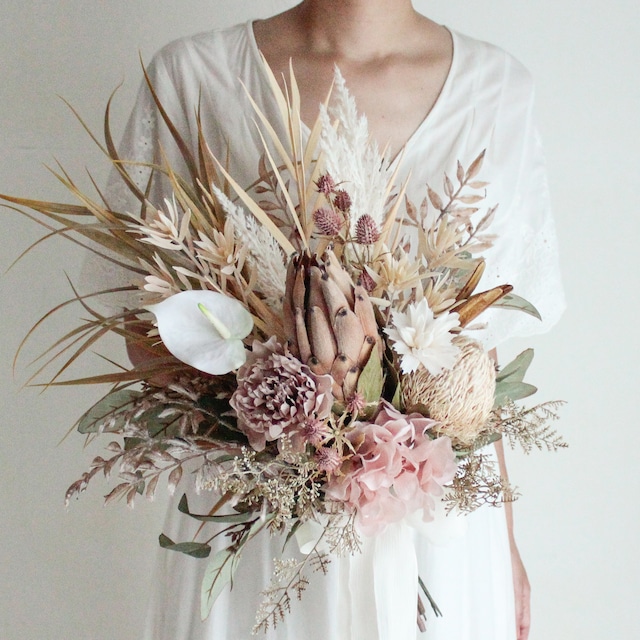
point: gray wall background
(83, 573)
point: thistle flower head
(326, 184)
(328, 221)
(367, 231)
(342, 200)
(367, 281)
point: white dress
(486, 103)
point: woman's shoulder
(482, 63)
(219, 51)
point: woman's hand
(522, 593)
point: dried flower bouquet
(310, 344)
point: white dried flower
(352, 157)
(166, 230)
(265, 254)
(421, 339)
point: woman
(440, 97)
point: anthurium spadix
(204, 329)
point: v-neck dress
(485, 103)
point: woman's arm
(521, 586)
(522, 589)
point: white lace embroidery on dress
(97, 273)
(537, 281)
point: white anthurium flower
(422, 339)
(204, 329)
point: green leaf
(517, 368)
(512, 391)
(218, 575)
(371, 379)
(292, 532)
(233, 518)
(193, 549)
(110, 406)
(512, 301)
(397, 398)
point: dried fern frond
(530, 427)
(478, 483)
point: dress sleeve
(526, 252)
(144, 137)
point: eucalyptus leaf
(232, 518)
(512, 301)
(109, 407)
(156, 425)
(292, 532)
(512, 391)
(517, 368)
(371, 379)
(218, 575)
(132, 443)
(193, 549)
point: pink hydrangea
(278, 395)
(396, 470)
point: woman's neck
(356, 29)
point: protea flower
(459, 398)
(329, 322)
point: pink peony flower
(278, 395)
(396, 470)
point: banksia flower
(330, 322)
(459, 398)
(328, 221)
(367, 231)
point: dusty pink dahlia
(278, 395)
(396, 470)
